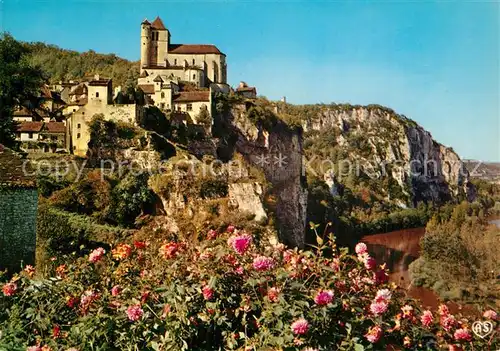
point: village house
(246, 91)
(95, 98)
(42, 136)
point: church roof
(158, 24)
(193, 49)
(145, 21)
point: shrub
(225, 292)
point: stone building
(96, 98)
(200, 64)
(42, 136)
(18, 211)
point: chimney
(96, 76)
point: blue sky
(435, 62)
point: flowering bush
(225, 292)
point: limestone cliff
(381, 143)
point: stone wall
(18, 211)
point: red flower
(139, 245)
(56, 331)
(9, 289)
(208, 293)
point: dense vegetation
(225, 290)
(460, 256)
(64, 65)
(20, 84)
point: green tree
(20, 83)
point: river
(400, 248)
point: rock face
(247, 197)
(278, 152)
(386, 144)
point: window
(189, 107)
(163, 95)
(175, 62)
(96, 95)
(194, 76)
(79, 126)
(179, 108)
(74, 110)
(193, 62)
(53, 138)
(30, 135)
(78, 136)
(162, 105)
(84, 111)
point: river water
(398, 249)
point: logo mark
(482, 329)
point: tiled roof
(27, 127)
(193, 49)
(13, 170)
(22, 112)
(100, 82)
(158, 24)
(147, 88)
(252, 89)
(192, 96)
(45, 92)
(79, 90)
(55, 127)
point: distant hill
(61, 64)
(489, 171)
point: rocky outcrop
(277, 151)
(383, 143)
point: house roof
(55, 127)
(158, 79)
(100, 82)
(192, 96)
(252, 89)
(145, 21)
(79, 102)
(23, 111)
(15, 171)
(158, 24)
(29, 127)
(193, 49)
(147, 88)
(144, 74)
(79, 90)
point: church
(166, 68)
(200, 64)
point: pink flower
(96, 255)
(240, 243)
(135, 313)
(462, 334)
(448, 322)
(361, 248)
(9, 289)
(427, 318)
(116, 290)
(230, 228)
(34, 348)
(378, 308)
(323, 297)
(369, 262)
(208, 293)
(300, 326)
(374, 334)
(443, 310)
(407, 311)
(87, 298)
(490, 314)
(263, 263)
(383, 295)
(212, 234)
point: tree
(19, 84)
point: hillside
(63, 65)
